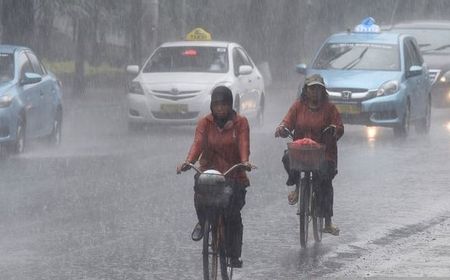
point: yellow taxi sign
(198, 34)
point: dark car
(30, 99)
(433, 38)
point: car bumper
(440, 95)
(379, 111)
(149, 109)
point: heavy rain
(96, 195)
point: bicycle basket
(212, 192)
(305, 157)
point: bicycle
(212, 185)
(306, 160)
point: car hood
(357, 79)
(5, 86)
(437, 61)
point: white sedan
(174, 86)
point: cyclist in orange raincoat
(313, 116)
(221, 141)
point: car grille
(433, 75)
(355, 94)
(175, 95)
(175, 116)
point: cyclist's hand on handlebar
(330, 131)
(248, 166)
(281, 131)
(183, 167)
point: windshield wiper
(355, 61)
(443, 47)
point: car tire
(18, 145)
(237, 104)
(54, 137)
(402, 130)
(423, 125)
(260, 114)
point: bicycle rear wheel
(210, 251)
(304, 210)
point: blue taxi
(375, 78)
(30, 99)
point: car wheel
(237, 104)
(55, 136)
(402, 130)
(423, 125)
(260, 114)
(18, 145)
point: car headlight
(5, 101)
(136, 88)
(388, 88)
(445, 77)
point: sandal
(293, 197)
(332, 229)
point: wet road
(108, 205)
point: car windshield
(358, 56)
(430, 40)
(6, 67)
(188, 59)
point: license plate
(348, 108)
(174, 108)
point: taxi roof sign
(367, 25)
(198, 34)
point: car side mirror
(30, 78)
(301, 68)
(245, 69)
(133, 69)
(415, 70)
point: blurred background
(89, 42)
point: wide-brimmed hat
(315, 79)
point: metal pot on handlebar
(211, 189)
(211, 178)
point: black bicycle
(306, 160)
(214, 195)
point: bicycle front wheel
(210, 251)
(317, 221)
(304, 210)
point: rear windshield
(6, 67)
(188, 59)
(358, 56)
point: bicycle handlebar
(226, 172)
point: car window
(6, 67)
(35, 63)
(412, 57)
(25, 65)
(239, 58)
(358, 56)
(417, 55)
(188, 59)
